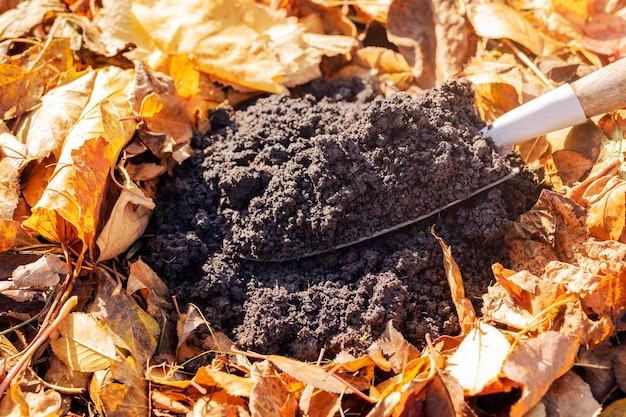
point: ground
(286, 176)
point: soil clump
(289, 174)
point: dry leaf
(70, 206)
(12, 157)
(134, 330)
(570, 396)
(464, 307)
(309, 374)
(434, 47)
(18, 22)
(478, 360)
(498, 21)
(233, 385)
(44, 129)
(571, 166)
(40, 274)
(83, 343)
(240, 43)
(128, 221)
(318, 403)
(120, 391)
(270, 396)
(536, 363)
(144, 281)
(394, 349)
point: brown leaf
(444, 397)
(120, 391)
(536, 363)
(309, 374)
(434, 48)
(40, 274)
(394, 349)
(270, 396)
(12, 158)
(498, 21)
(464, 307)
(136, 331)
(18, 22)
(143, 280)
(570, 396)
(607, 215)
(571, 166)
(127, 222)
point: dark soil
(331, 163)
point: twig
(39, 340)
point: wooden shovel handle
(603, 90)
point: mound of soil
(329, 164)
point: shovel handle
(600, 92)
(603, 90)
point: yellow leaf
(240, 42)
(498, 21)
(69, 209)
(479, 358)
(120, 391)
(44, 130)
(83, 343)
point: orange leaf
(606, 217)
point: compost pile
(332, 162)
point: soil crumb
(331, 163)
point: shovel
(568, 105)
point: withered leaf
(479, 358)
(270, 395)
(83, 343)
(536, 363)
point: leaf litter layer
(316, 157)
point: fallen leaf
(144, 281)
(223, 38)
(309, 374)
(60, 374)
(69, 209)
(233, 385)
(44, 129)
(536, 363)
(607, 215)
(83, 343)
(499, 21)
(120, 391)
(18, 22)
(270, 396)
(135, 330)
(571, 396)
(464, 307)
(615, 409)
(40, 274)
(12, 157)
(127, 222)
(434, 47)
(394, 348)
(479, 358)
(318, 403)
(571, 166)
